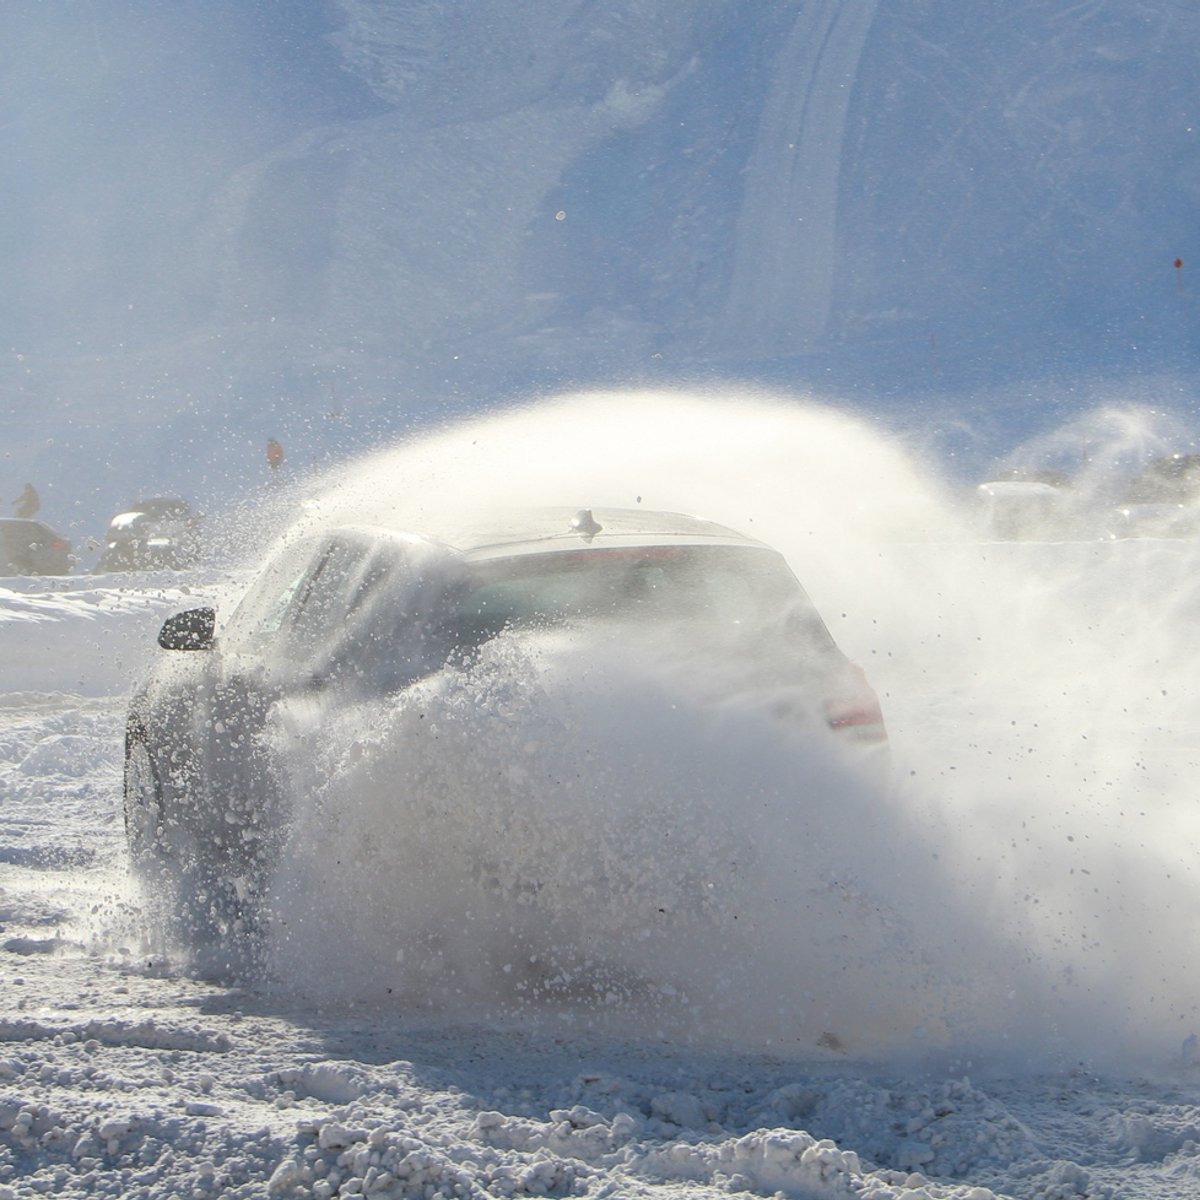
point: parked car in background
(1026, 504)
(1161, 500)
(160, 532)
(357, 611)
(32, 548)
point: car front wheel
(143, 801)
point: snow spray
(558, 835)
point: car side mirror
(194, 629)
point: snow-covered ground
(975, 981)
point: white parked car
(1018, 509)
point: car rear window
(727, 585)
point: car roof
(510, 533)
(157, 502)
(22, 522)
(1017, 489)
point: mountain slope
(226, 224)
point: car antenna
(585, 524)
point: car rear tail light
(852, 707)
(59, 544)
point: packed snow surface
(548, 928)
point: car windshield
(724, 585)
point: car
(1162, 520)
(32, 548)
(366, 610)
(1018, 509)
(1161, 501)
(1027, 503)
(1168, 479)
(158, 532)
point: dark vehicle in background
(158, 533)
(351, 612)
(1162, 500)
(32, 548)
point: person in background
(274, 454)
(27, 503)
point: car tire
(143, 801)
(190, 898)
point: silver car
(358, 610)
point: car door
(19, 547)
(284, 642)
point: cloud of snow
(590, 836)
(560, 832)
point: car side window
(328, 596)
(257, 620)
(304, 601)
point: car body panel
(29, 547)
